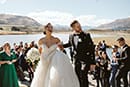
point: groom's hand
(92, 67)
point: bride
(54, 68)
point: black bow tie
(76, 34)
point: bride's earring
(44, 32)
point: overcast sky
(88, 12)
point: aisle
(92, 82)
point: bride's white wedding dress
(54, 70)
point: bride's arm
(40, 43)
(40, 50)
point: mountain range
(7, 19)
(119, 24)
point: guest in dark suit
(125, 61)
(83, 52)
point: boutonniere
(79, 40)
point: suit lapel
(122, 50)
(72, 41)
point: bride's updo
(48, 27)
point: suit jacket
(84, 51)
(125, 56)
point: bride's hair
(46, 26)
(44, 32)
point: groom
(83, 52)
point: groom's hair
(75, 21)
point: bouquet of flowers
(33, 55)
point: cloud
(64, 18)
(54, 17)
(3, 1)
(14, 13)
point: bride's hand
(61, 46)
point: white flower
(33, 54)
(79, 40)
(11, 53)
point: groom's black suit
(83, 53)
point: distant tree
(1, 28)
(15, 29)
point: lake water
(35, 37)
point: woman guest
(104, 70)
(97, 68)
(8, 76)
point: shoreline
(16, 33)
